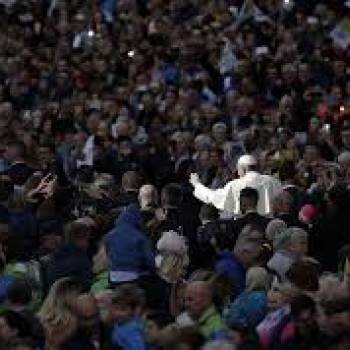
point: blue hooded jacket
(129, 335)
(127, 245)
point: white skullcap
(246, 160)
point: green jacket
(211, 325)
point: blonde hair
(258, 279)
(172, 266)
(57, 307)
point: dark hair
(160, 318)
(16, 342)
(19, 292)
(6, 189)
(300, 303)
(128, 295)
(20, 147)
(50, 227)
(131, 180)
(337, 305)
(208, 212)
(304, 275)
(185, 336)
(171, 195)
(250, 193)
(18, 322)
(75, 231)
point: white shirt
(227, 198)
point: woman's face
(6, 332)
(276, 298)
(299, 247)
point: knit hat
(307, 213)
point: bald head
(148, 196)
(198, 298)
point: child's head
(127, 301)
(156, 321)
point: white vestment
(227, 198)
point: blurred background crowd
(106, 108)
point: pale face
(196, 300)
(299, 247)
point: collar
(207, 314)
(250, 211)
(251, 174)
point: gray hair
(258, 279)
(220, 345)
(291, 234)
(274, 228)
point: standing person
(129, 251)
(227, 198)
(249, 198)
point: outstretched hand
(194, 179)
(46, 187)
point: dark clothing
(126, 198)
(19, 173)
(78, 342)
(23, 229)
(328, 236)
(69, 261)
(251, 218)
(4, 214)
(289, 219)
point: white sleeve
(221, 198)
(88, 153)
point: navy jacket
(127, 245)
(230, 267)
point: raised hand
(194, 179)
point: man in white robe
(227, 198)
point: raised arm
(222, 198)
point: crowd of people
(174, 175)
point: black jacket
(251, 218)
(69, 261)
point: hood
(131, 216)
